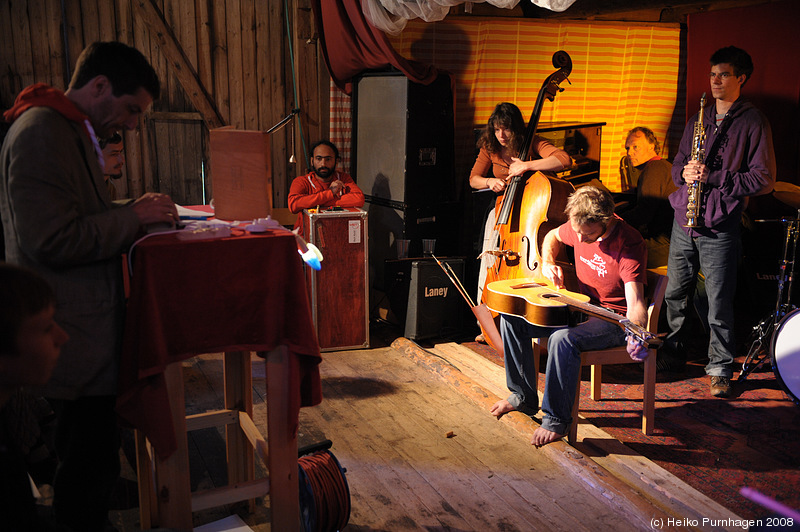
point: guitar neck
(594, 310)
(630, 327)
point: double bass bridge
(501, 253)
(511, 257)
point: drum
(786, 354)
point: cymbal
(787, 193)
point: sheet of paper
(232, 523)
(185, 212)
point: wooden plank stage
(412, 429)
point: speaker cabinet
(422, 294)
(404, 163)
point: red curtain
(351, 45)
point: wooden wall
(221, 62)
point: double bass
(532, 205)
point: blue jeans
(718, 257)
(564, 349)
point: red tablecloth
(242, 293)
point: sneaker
(720, 386)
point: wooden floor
(412, 429)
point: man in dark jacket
(738, 161)
(59, 221)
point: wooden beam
(166, 115)
(229, 494)
(212, 418)
(184, 72)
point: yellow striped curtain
(624, 75)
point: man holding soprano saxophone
(719, 164)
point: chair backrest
(654, 294)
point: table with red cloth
(236, 294)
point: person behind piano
(651, 213)
(610, 263)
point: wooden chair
(654, 294)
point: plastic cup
(402, 248)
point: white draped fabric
(391, 16)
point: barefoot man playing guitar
(610, 263)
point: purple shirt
(741, 163)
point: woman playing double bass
(500, 144)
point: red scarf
(41, 95)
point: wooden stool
(165, 497)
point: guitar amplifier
(421, 292)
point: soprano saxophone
(695, 188)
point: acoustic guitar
(539, 303)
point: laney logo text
(435, 292)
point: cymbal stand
(762, 333)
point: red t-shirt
(603, 267)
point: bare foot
(501, 408)
(543, 437)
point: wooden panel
(249, 70)
(124, 21)
(178, 159)
(21, 34)
(59, 71)
(73, 30)
(235, 74)
(41, 66)
(275, 94)
(107, 19)
(203, 51)
(90, 23)
(137, 156)
(220, 59)
(8, 87)
(174, 91)
(306, 70)
(240, 162)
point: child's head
(30, 340)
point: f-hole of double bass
(530, 261)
